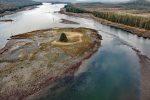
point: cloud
(103, 0)
(86, 0)
(55, 0)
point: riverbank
(137, 31)
(12, 11)
(145, 80)
(68, 21)
(145, 74)
(35, 60)
(7, 20)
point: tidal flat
(35, 60)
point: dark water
(112, 73)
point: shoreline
(145, 74)
(7, 20)
(65, 21)
(145, 69)
(136, 31)
(20, 9)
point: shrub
(63, 38)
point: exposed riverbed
(112, 73)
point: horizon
(104, 1)
(83, 1)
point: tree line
(126, 19)
(71, 8)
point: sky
(113, 1)
(106, 0)
(88, 0)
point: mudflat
(33, 61)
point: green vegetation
(63, 38)
(126, 19)
(130, 20)
(70, 8)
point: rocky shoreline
(35, 63)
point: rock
(63, 38)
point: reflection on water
(113, 73)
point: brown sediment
(7, 20)
(65, 21)
(145, 76)
(137, 31)
(24, 77)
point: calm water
(113, 73)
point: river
(112, 73)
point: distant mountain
(142, 5)
(133, 4)
(138, 4)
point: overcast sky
(106, 0)
(88, 0)
(114, 1)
